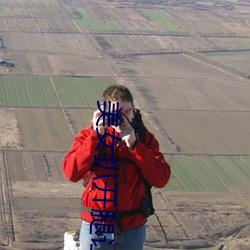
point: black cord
(162, 228)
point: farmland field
(167, 66)
(209, 173)
(111, 20)
(225, 43)
(50, 25)
(171, 55)
(55, 54)
(86, 23)
(159, 84)
(216, 132)
(208, 22)
(115, 14)
(39, 130)
(236, 59)
(34, 166)
(162, 20)
(55, 91)
(97, 25)
(10, 136)
(51, 44)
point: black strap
(121, 214)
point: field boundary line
(25, 166)
(83, 91)
(40, 83)
(65, 115)
(79, 29)
(15, 91)
(54, 87)
(7, 206)
(232, 171)
(174, 147)
(27, 89)
(96, 84)
(6, 94)
(248, 167)
(69, 89)
(216, 67)
(214, 172)
(191, 170)
(182, 184)
(174, 213)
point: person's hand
(126, 132)
(101, 128)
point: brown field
(209, 22)
(192, 104)
(10, 136)
(143, 44)
(57, 54)
(230, 43)
(115, 14)
(39, 130)
(167, 66)
(216, 132)
(235, 60)
(52, 44)
(34, 166)
(50, 25)
(191, 93)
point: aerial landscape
(187, 63)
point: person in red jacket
(113, 197)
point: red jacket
(148, 162)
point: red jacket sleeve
(78, 160)
(151, 161)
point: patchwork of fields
(66, 53)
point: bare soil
(10, 135)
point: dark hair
(117, 93)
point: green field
(226, 53)
(79, 13)
(208, 173)
(55, 91)
(93, 25)
(87, 23)
(161, 19)
(156, 15)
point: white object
(71, 240)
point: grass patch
(79, 13)
(93, 25)
(156, 15)
(168, 26)
(162, 20)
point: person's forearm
(79, 159)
